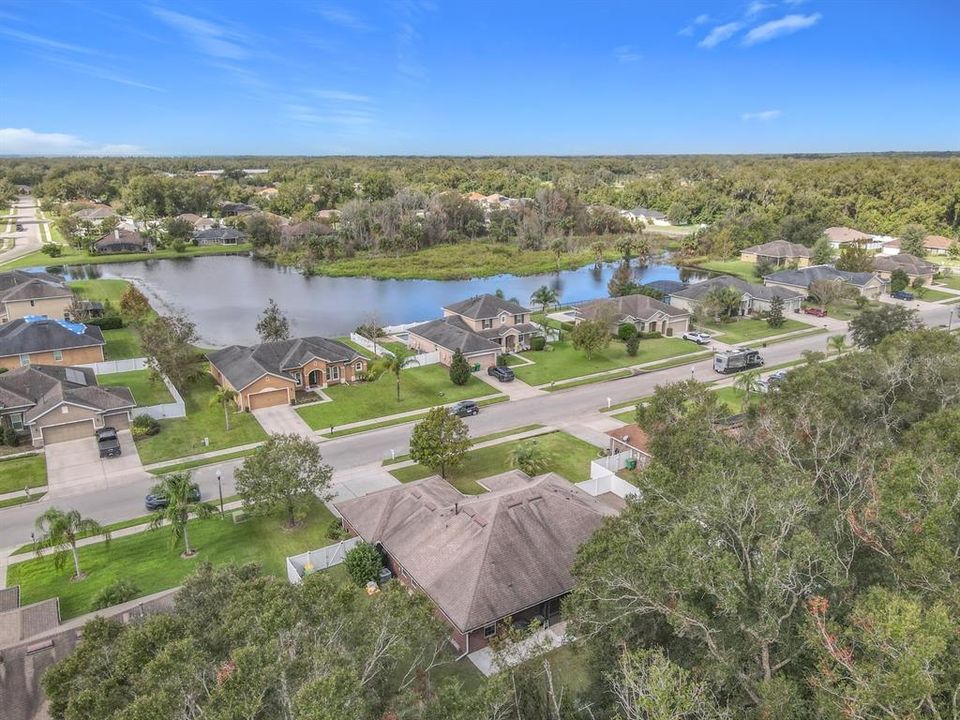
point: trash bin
(631, 464)
(384, 575)
(476, 367)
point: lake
(224, 294)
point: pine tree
(459, 369)
(775, 317)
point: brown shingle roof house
(481, 558)
(777, 252)
(24, 293)
(122, 240)
(914, 267)
(37, 340)
(645, 313)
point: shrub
(459, 369)
(9, 436)
(501, 361)
(144, 426)
(538, 342)
(568, 326)
(649, 335)
(335, 531)
(363, 564)
(179, 246)
(107, 323)
(52, 250)
(119, 591)
(633, 344)
(627, 331)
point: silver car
(700, 338)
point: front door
(313, 378)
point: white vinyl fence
(418, 360)
(176, 409)
(108, 367)
(320, 559)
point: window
(58, 355)
(486, 324)
(518, 319)
(33, 303)
(333, 373)
(503, 319)
(24, 360)
(490, 630)
(358, 367)
(298, 378)
(16, 421)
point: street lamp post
(220, 489)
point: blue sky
(419, 77)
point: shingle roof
(938, 242)
(845, 235)
(779, 249)
(31, 336)
(242, 365)
(802, 277)
(639, 307)
(25, 622)
(480, 307)
(43, 387)
(219, 233)
(451, 333)
(19, 285)
(666, 286)
(638, 210)
(483, 557)
(98, 212)
(761, 292)
(910, 264)
(121, 236)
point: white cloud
(701, 19)
(720, 34)
(763, 116)
(627, 54)
(340, 96)
(757, 7)
(24, 141)
(343, 18)
(778, 28)
(212, 39)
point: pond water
(224, 294)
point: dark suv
(465, 408)
(108, 442)
(503, 374)
(156, 501)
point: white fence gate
(319, 559)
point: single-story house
(122, 241)
(938, 244)
(197, 221)
(219, 236)
(867, 284)
(37, 340)
(753, 298)
(840, 236)
(271, 373)
(667, 287)
(26, 293)
(646, 216)
(643, 312)
(777, 252)
(481, 559)
(228, 209)
(54, 404)
(94, 213)
(914, 267)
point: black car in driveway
(465, 408)
(156, 501)
(108, 442)
(503, 374)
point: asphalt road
(570, 409)
(27, 240)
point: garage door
(268, 399)
(70, 431)
(120, 421)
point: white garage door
(69, 431)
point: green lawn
(749, 329)
(569, 457)
(733, 398)
(951, 281)
(359, 348)
(122, 343)
(419, 388)
(146, 390)
(20, 472)
(845, 308)
(562, 361)
(627, 416)
(72, 256)
(737, 268)
(932, 295)
(184, 436)
(21, 499)
(149, 561)
(191, 464)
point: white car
(700, 338)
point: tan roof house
(24, 293)
(55, 404)
(777, 252)
(840, 236)
(95, 213)
(197, 221)
(938, 244)
(122, 240)
(37, 340)
(753, 298)
(481, 559)
(868, 284)
(645, 313)
(914, 267)
(271, 373)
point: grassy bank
(122, 343)
(73, 256)
(737, 268)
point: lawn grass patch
(20, 472)
(191, 464)
(180, 437)
(149, 561)
(627, 417)
(619, 375)
(950, 281)
(146, 389)
(122, 343)
(21, 500)
(359, 348)
(562, 361)
(737, 268)
(73, 256)
(421, 387)
(750, 329)
(733, 398)
(932, 295)
(569, 456)
(476, 440)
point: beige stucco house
(271, 373)
(753, 298)
(777, 252)
(914, 267)
(645, 313)
(868, 284)
(24, 293)
(42, 341)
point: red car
(815, 311)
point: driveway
(76, 466)
(283, 420)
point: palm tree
(544, 297)
(529, 457)
(61, 530)
(178, 491)
(837, 342)
(395, 364)
(747, 382)
(559, 247)
(224, 396)
(598, 247)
